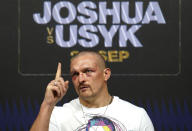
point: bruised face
(88, 76)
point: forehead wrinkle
(82, 64)
(99, 62)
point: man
(95, 109)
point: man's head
(89, 74)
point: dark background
(159, 54)
(167, 99)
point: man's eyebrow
(86, 68)
(89, 68)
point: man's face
(87, 76)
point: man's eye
(75, 74)
(89, 71)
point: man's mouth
(83, 87)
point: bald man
(95, 109)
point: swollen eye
(75, 74)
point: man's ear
(107, 73)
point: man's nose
(81, 77)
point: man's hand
(56, 89)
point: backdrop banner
(135, 37)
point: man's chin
(85, 95)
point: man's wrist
(46, 106)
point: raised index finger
(58, 73)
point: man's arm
(55, 91)
(146, 123)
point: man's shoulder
(132, 114)
(127, 111)
(127, 106)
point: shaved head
(99, 57)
